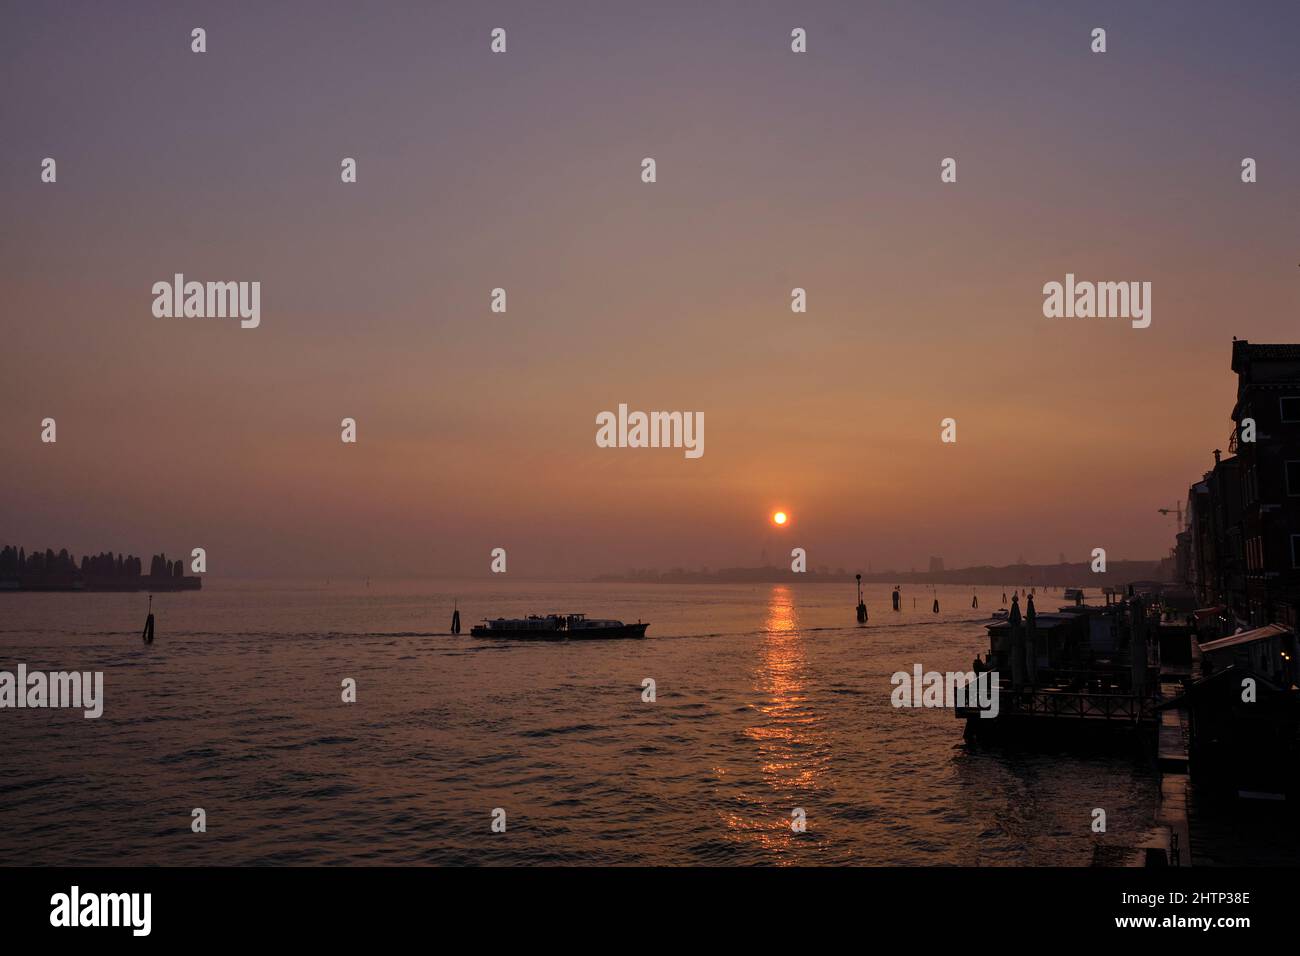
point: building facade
(1268, 398)
(1241, 545)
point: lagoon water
(769, 698)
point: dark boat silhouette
(557, 627)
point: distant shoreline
(1042, 575)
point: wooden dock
(1172, 743)
(1172, 747)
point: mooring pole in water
(147, 636)
(455, 618)
(862, 607)
(936, 605)
(974, 600)
(898, 597)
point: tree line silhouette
(16, 562)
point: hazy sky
(775, 170)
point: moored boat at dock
(557, 627)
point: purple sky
(522, 170)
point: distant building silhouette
(1241, 547)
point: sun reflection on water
(792, 752)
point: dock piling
(147, 636)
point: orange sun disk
(779, 518)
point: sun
(780, 518)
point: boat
(557, 627)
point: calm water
(766, 702)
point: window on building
(1291, 408)
(1293, 477)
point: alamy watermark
(651, 430)
(208, 300)
(975, 689)
(1102, 300)
(75, 908)
(83, 689)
